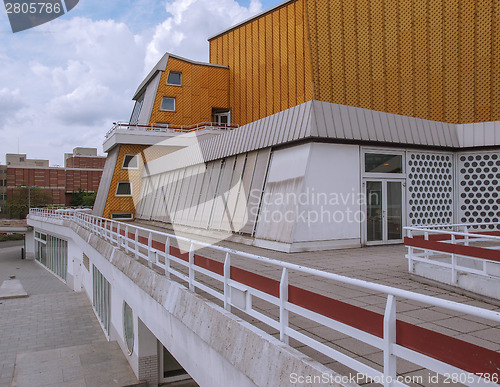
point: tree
(23, 197)
(82, 198)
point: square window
(130, 162)
(124, 189)
(174, 78)
(168, 104)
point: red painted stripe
(458, 353)
(470, 251)
(158, 245)
(256, 281)
(447, 237)
(176, 252)
(354, 316)
(209, 264)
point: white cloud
(65, 82)
(191, 23)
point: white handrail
(388, 345)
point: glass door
(384, 211)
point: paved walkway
(385, 265)
(52, 338)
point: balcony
(151, 134)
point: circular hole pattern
(430, 188)
(479, 187)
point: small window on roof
(130, 162)
(124, 189)
(174, 78)
(168, 104)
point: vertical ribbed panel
(432, 59)
(269, 61)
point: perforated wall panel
(479, 182)
(430, 188)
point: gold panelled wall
(432, 59)
(269, 61)
(203, 88)
(124, 204)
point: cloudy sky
(63, 83)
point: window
(383, 163)
(101, 298)
(122, 216)
(124, 189)
(174, 78)
(130, 162)
(128, 327)
(168, 104)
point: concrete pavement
(52, 337)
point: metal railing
(238, 288)
(168, 128)
(462, 248)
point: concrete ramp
(12, 288)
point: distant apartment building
(82, 170)
(3, 186)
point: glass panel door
(374, 211)
(384, 211)
(394, 210)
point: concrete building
(354, 121)
(82, 170)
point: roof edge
(260, 14)
(162, 66)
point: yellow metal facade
(432, 59)
(203, 88)
(269, 63)
(125, 204)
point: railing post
(283, 301)
(453, 263)
(410, 254)
(167, 259)
(191, 267)
(136, 250)
(426, 237)
(227, 276)
(118, 236)
(389, 341)
(466, 231)
(150, 245)
(126, 238)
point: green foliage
(22, 198)
(11, 237)
(81, 198)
